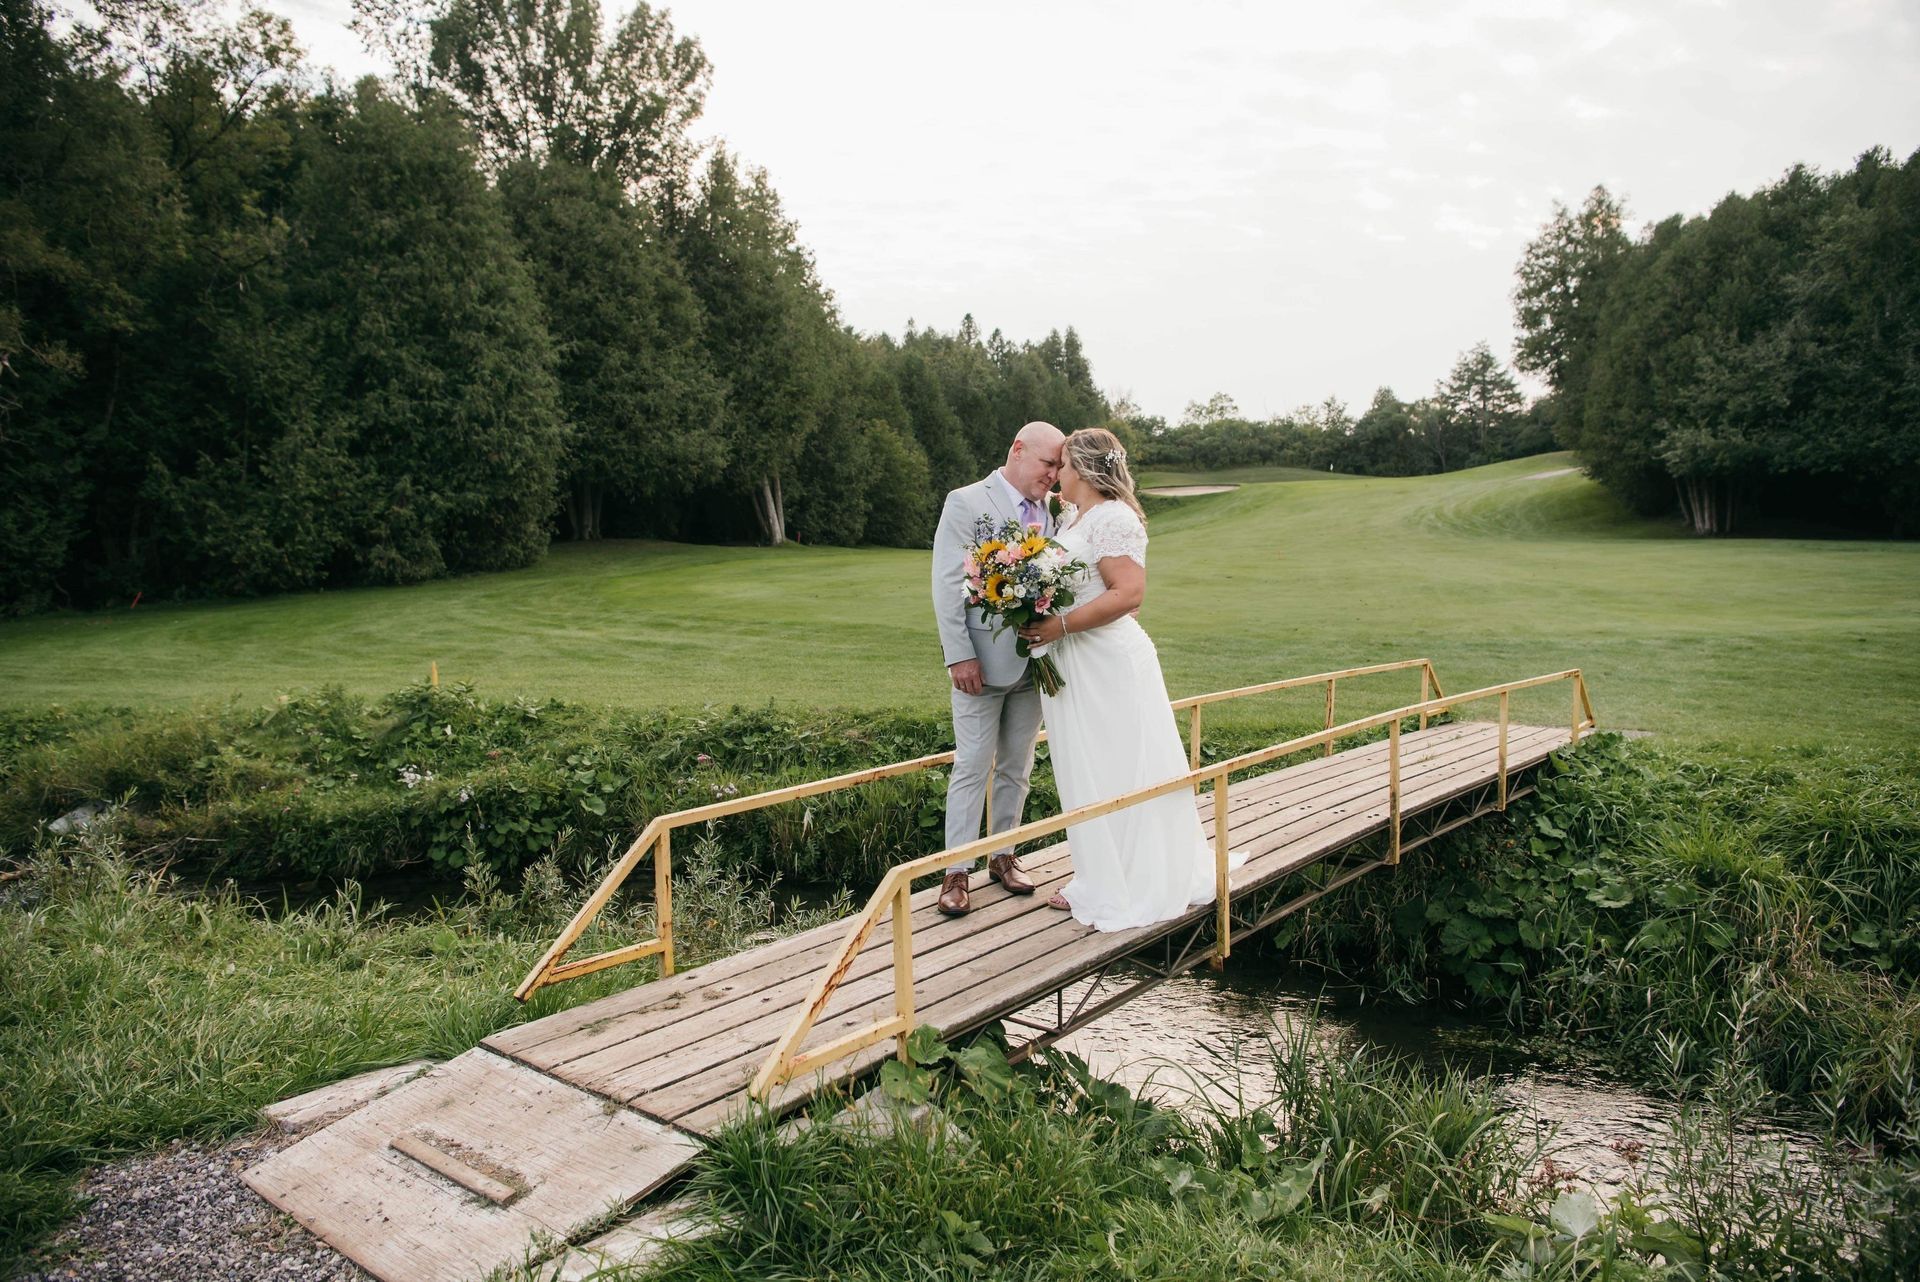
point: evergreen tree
(87, 214)
(1483, 405)
(1758, 360)
(427, 415)
(768, 328)
(637, 389)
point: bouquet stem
(1046, 675)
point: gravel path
(183, 1215)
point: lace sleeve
(1118, 532)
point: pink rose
(1044, 604)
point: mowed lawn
(1501, 572)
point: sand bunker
(1188, 491)
(1558, 471)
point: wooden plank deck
(682, 1050)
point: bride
(1110, 728)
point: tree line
(1477, 414)
(1760, 362)
(260, 331)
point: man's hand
(966, 676)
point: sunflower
(1034, 544)
(986, 550)
(996, 585)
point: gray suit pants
(993, 733)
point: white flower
(413, 777)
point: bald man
(996, 710)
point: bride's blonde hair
(1101, 461)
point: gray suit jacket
(964, 633)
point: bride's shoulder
(1118, 516)
(1117, 530)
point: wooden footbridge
(508, 1150)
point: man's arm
(949, 607)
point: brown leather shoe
(1005, 869)
(953, 895)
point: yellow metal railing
(787, 1061)
(656, 837)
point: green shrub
(330, 785)
(1676, 910)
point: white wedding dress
(1109, 732)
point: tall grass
(1360, 1166)
(132, 1013)
(1356, 1165)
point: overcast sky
(1278, 201)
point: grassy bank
(1357, 1167)
(1043, 1171)
(332, 785)
(1685, 906)
(137, 1013)
(134, 1011)
(1494, 573)
(1682, 913)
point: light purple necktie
(1029, 512)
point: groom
(996, 710)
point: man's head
(1034, 460)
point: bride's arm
(1126, 581)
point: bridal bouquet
(1016, 576)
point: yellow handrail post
(1223, 929)
(663, 899)
(1424, 696)
(1393, 788)
(1330, 681)
(1503, 749)
(1573, 735)
(1193, 739)
(903, 964)
(785, 1056)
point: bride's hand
(1045, 632)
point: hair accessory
(1114, 456)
